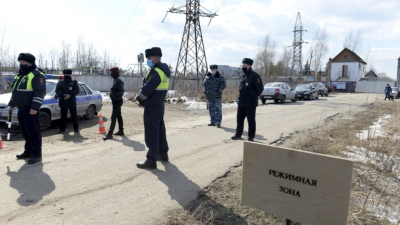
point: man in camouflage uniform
(213, 86)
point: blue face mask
(150, 63)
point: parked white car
(89, 103)
(279, 92)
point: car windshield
(50, 88)
(302, 87)
(273, 85)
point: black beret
(67, 71)
(248, 61)
(214, 67)
(155, 51)
(28, 57)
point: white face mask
(213, 72)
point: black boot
(120, 132)
(34, 160)
(24, 156)
(236, 137)
(146, 165)
(109, 136)
(163, 158)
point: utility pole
(297, 46)
(192, 54)
(309, 70)
(140, 61)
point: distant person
(116, 94)
(388, 91)
(250, 87)
(152, 97)
(213, 85)
(67, 90)
(28, 92)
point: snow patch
(376, 130)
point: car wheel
(276, 100)
(283, 99)
(89, 112)
(295, 99)
(326, 95)
(317, 97)
(263, 101)
(44, 121)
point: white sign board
(301, 186)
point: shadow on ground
(245, 134)
(183, 190)
(31, 182)
(137, 146)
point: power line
(153, 34)
(126, 25)
(137, 21)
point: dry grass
(375, 188)
(190, 89)
(376, 178)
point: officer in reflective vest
(28, 92)
(152, 97)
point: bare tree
(41, 57)
(286, 59)
(3, 51)
(265, 56)
(384, 77)
(353, 41)
(368, 57)
(319, 47)
(64, 57)
(53, 56)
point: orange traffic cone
(102, 129)
(1, 143)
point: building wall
(398, 72)
(353, 69)
(373, 87)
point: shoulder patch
(41, 81)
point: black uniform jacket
(69, 87)
(250, 87)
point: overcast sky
(126, 28)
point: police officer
(152, 97)
(250, 87)
(67, 89)
(213, 85)
(28, 91)
(116, 93)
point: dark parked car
(329, 87)
(322, 89)
(395, 92)
(306, 91)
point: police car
(88, 103)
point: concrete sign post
(301, 186)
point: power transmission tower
(297, 46)
(192, 62)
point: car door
(291, 94)
(81, 100)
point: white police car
(88, 104)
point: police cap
(28, 57)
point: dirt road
(84, 180)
